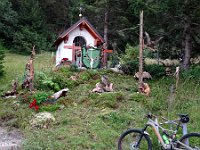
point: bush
(130, 60)
(44, 82)
(74, 67)
(41, 97)
(1, 62)
(130, 67)
(155, 70)
(193, 72)
(60, 79)
(63, 81)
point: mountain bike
(138, 139)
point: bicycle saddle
(184, 118)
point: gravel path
(10, 140)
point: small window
(79, 41)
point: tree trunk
(105, 36)
(106, 27)
(141, 51)
(187, 46)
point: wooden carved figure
(145, 88)
(29, 73)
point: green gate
(91, 57)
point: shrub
(74, 67)
(64, 82)
(155, 70)
(62, 78)
(1, 59)
(131, 53)
(193, 72)
(130, 67)
(41, 97)
(44, 82)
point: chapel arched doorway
(79, 41)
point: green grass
(95, 121)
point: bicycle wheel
(190, 139)
(134, 139)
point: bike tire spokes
(134, 141)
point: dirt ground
(10, 139)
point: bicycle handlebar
(183, 118)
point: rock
(42, 120)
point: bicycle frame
(155, 127)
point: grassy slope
(92, 121)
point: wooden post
(141, 51)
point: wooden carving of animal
(145, 75)
(103, 86)
(152, 44)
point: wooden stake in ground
(29, 72)
(176, 74)
(141, 52)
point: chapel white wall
(67, 53)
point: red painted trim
(104, 53)
(107, 51)
(66, 39)
(74, 48)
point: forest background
(24, 23)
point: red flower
(34, 102)
(36, 107)
(65, 59)
(30, 105)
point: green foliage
(130, 60)
(117, 120)
(25, 97)
(63, 81)
(193, 72)
(95, 121)
(84, 76)
(137, 97)
(44, 82)
(155, 70)
(8, 20)
(109, 100)
(25, 19)
(41, 96)
(130, 67)
(25, 38)
(1, 59)
(32, 24)
(131, 53)
(73, 67)
(49, 108)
